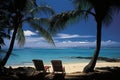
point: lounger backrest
(38, 65)
(57, 65)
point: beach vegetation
(2, 36)
(17, 13)
(101, 10)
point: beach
(103, 71)
(73, 60)
(77, 67)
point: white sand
(78, 67)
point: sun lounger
(57, 66)
(39, 65)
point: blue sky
(80, 34)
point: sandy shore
(78, 67)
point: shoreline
(76, 67)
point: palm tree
(20, 11)
(2, 43)
(3, 34)
(101, 10)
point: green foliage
(2, 36)
(30, 4)
(42, 9)
(20, 36)
(101, 10)
(36, 25)
(82, 4)
(19, 11)
(24, 11)
(59, 21)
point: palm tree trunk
(92, 63)
(5, 59)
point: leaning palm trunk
(5, 59)
(90, 67)
(16, 24)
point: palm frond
(42, 31)
(34, 3)
(82, 4)
(89, 12)
(4, 35)
(42, 21)
(20, 37)
(114, 9)
(108, 17)
(42, 9)
(115, 3)
(59, 21)
(30, 4)
(1, 42)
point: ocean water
(26, 55)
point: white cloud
(110, 43)
(37, 42)
(29, 33)
(63, 36)
(75, 44)
(42, 43)
(87, 44)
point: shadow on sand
(27, 73)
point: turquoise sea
(25, 56)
